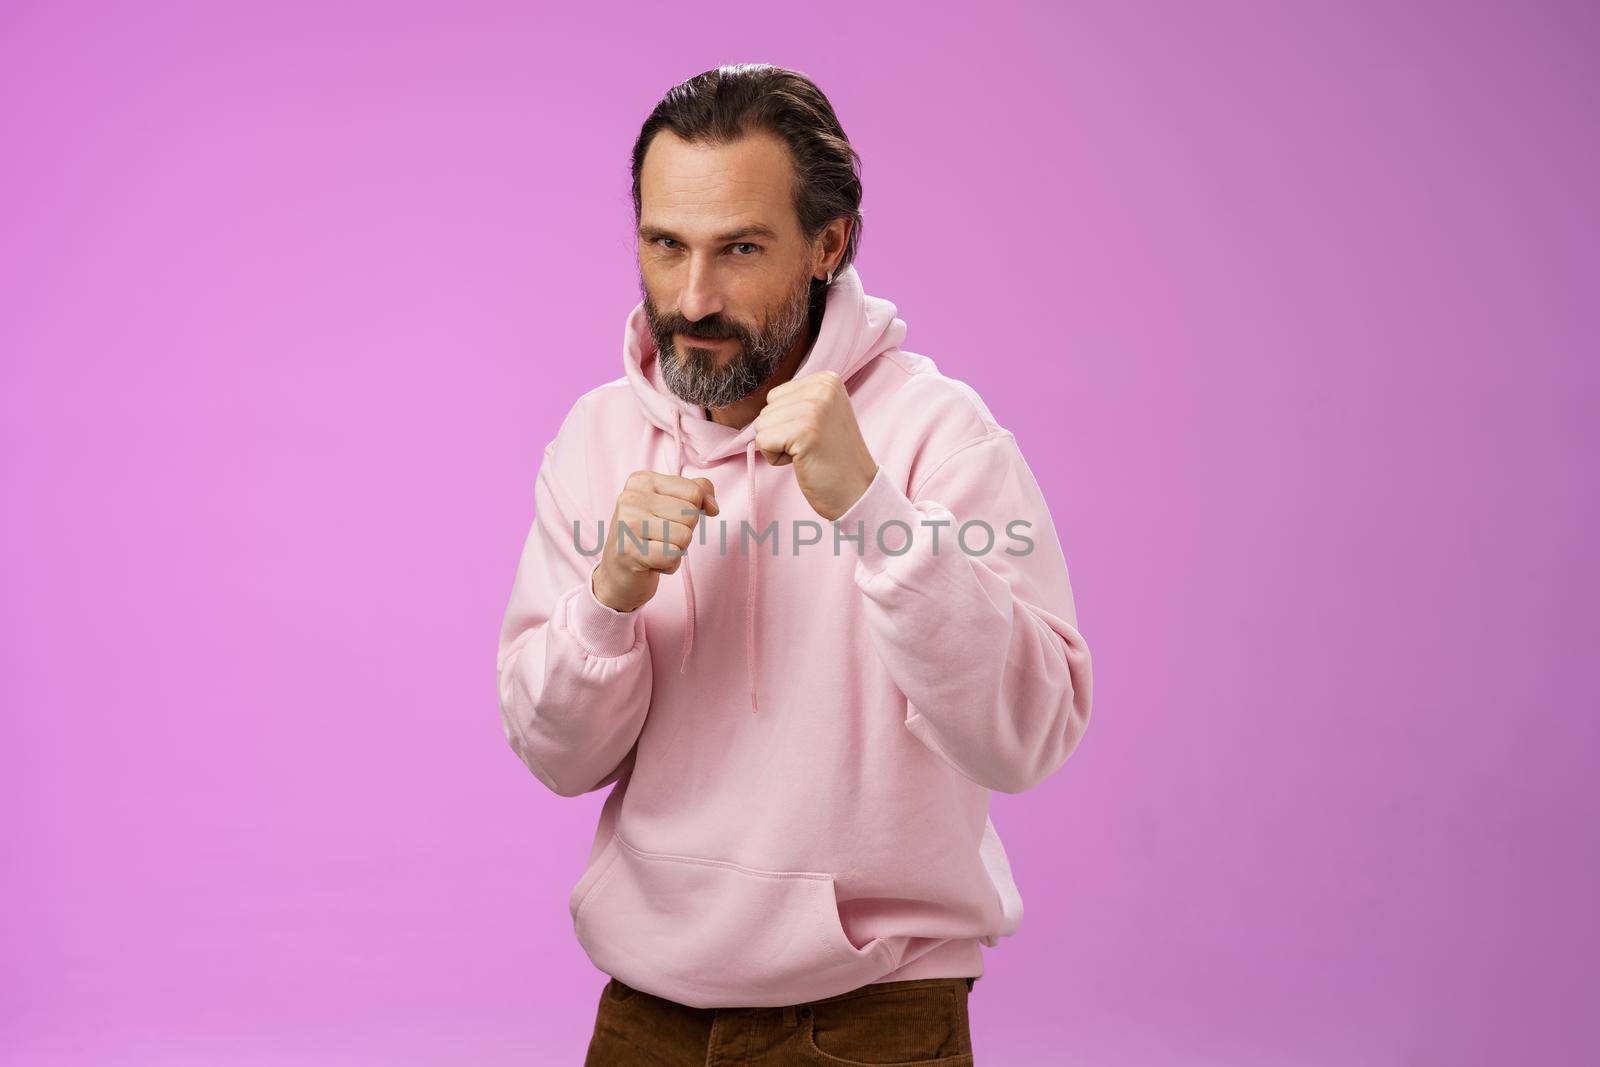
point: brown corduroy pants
(922, 1022)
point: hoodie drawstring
(683, 568)
(750, 592)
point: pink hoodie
(804, 742)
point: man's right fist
(656, 510)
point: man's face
(724, 271)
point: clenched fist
(658, 510)
(808, 421)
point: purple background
(1291, 308)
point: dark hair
(720, 106)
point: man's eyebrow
(651, 233)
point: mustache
(711, 331)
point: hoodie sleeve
(983, 641)
(574, 675)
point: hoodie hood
(856, 329)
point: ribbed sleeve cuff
(880, 513)
(601, 630)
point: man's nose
(702, 292)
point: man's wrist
(600, 628)
(600, 596)
(887, 520)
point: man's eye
(671, 245)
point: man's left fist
(808, 421)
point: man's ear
(831, 245)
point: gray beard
(695, 377)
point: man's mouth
(703, 342)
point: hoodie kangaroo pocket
(714, 934)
